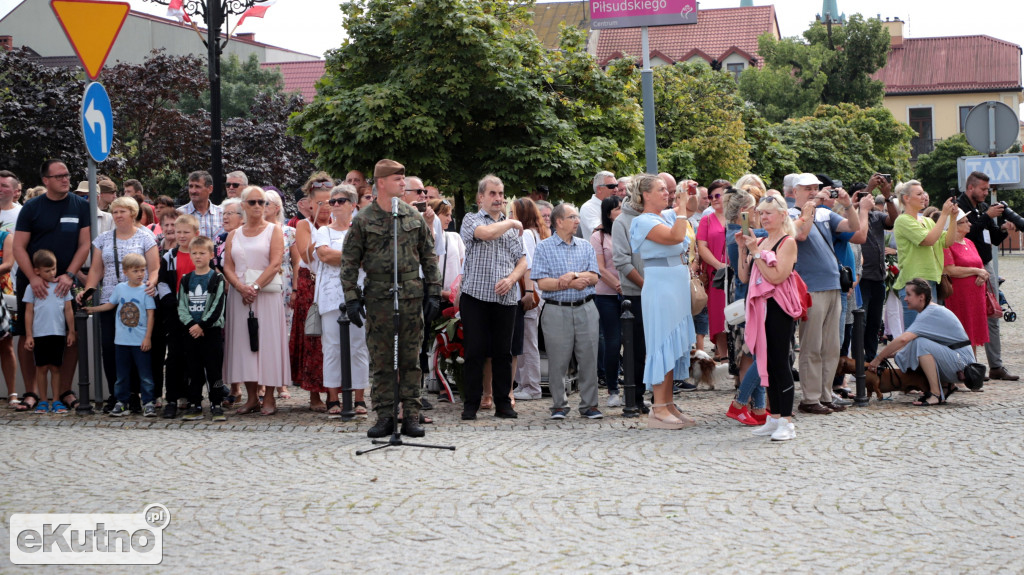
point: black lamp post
(215, 13)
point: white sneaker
(525, 395)
(784, 432)
(614, 400)
(769, 427)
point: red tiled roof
(951, 64)
(300, 77)
(717, 33)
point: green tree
(455, 89)
(699, 123)
(769, 158)
(825, 67)
(937, 169)
(39, 108)
(240, 84)
(848, 142)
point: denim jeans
(129, 356)
(609, 308)
(700, 323)
(910, 315)
(751, 387)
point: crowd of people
(206, 298)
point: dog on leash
(890, 379)
(705, 371)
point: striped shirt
(487, 262)
(554, 258)
(211, 224)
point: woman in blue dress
(659, 236)
(926, 343)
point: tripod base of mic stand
(396, 441)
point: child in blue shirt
(133, 334)
(49, 328)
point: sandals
(245, 410)
(361, 408)
(24, 404)
(229, 401)
(42, 407)
(283, 393)
(71, 403)
(59, 408)
(923, 402)
(487, 402)
(843, 392)
(321, 408)
(333, 410)
(12, 401)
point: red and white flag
(257, 11)
(176, 11)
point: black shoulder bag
(845, 273)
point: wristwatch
(71, 276)
(576, 275)
(256, 286)
(757, 256)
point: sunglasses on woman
(256, 202)
(321, 185)
(337, 201)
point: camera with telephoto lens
(1008, 214)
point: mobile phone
(87, 294)
(421, 206)
(746, 224)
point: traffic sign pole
(94, 328)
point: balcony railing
(920, 146)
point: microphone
(394, 207)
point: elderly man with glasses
(605, 186)
(234, 183)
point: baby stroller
(1009, 316)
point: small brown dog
(890, 379)
(705, 370)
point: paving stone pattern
(885, 489)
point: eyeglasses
(446, 202)
(716, 196)
(64, 176)
(337, 201)
(321, 185)
(232, 185)
(368, 197)
(770, 199)
(420, 192)
(573, 217)
(256, 202)
(233, 213)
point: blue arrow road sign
(97, 121)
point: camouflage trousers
(380, 334)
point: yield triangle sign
(91, 27)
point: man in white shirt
(605, 185)
(9, 210)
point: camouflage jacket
(369, 245)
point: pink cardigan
(792, 297)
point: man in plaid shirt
(495, 261)
(210, 216)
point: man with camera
(817, 265)
(987, 230)
(872, 280)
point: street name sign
(605, 14)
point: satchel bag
(276, 285)
(698, 296)
(992, 307)
(254, 331)
(973, 374)
(845, 273)
(313, 326)
(736, 312)
(945, 289)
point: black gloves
(431, 308)
(354, 309)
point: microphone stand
(396, 437)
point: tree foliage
(240, 84)
(822, 68)
(699, 123)
(848, 142)
(769, 157)
(455, 89)
(937, 170)
(39, 117)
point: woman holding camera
(919, 242)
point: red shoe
(734, 411)
(760, 419)
(742, 415)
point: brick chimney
(7, 42)
(247, 36)
(895, 28)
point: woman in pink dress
(258, 248)
(969, 278)
(711, 248)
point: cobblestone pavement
(887, 488)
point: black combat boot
(384, 427)
(411, 427)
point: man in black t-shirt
(59, 222)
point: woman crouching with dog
(927, 344)
(774, 301)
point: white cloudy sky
(314, 26)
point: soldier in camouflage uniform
(369, 245)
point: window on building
(920, 119)
(736, 70)
(964, 110)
